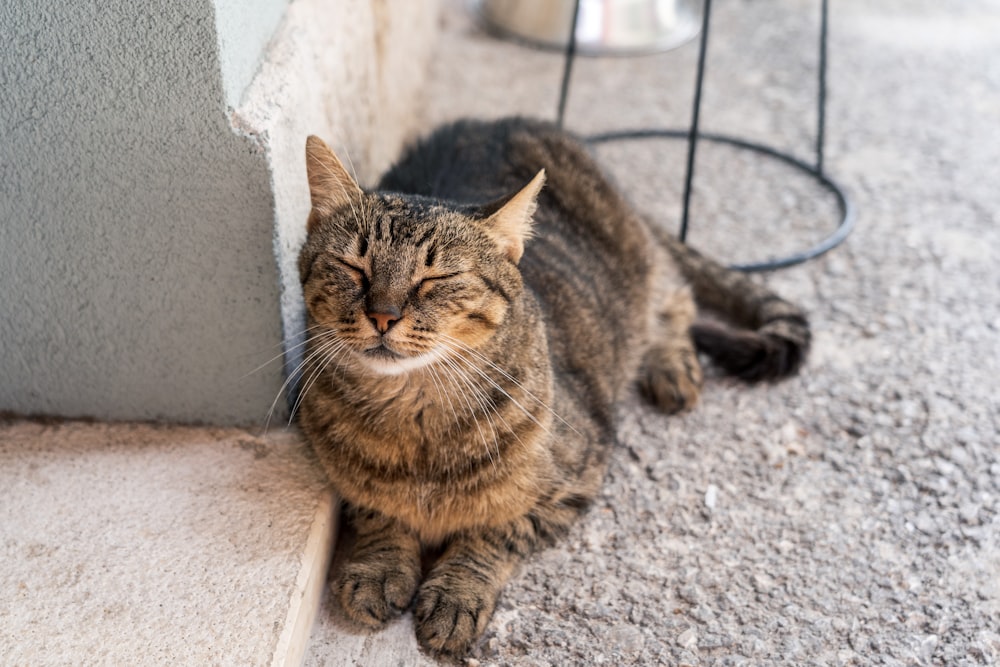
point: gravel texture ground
(848, 516)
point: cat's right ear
(509, 221)
(330, 186)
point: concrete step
(334, 644)
(127, 544)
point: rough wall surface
(137, 231)
(135, 249)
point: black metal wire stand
(693, 135)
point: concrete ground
(848, 516)
(138, 544)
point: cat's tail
(762, 337)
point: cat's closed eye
(349, 265)
(358, 274)
(428, 283)
(443, 276)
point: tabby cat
(468, 348)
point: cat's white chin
(400, 365)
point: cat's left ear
(510, 225)
(330, 185)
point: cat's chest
(410, 428)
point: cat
(474, 322)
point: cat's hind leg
(381, 575)
(670, 376)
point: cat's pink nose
(384, 318)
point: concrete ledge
(135, 544)
(309, 585)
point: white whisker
(442, 393)
(462, 347)
(350, 163)
(329, 351)
(489, 408)
(449, 364)
(280, 354)
(295, 373)
(499, 388)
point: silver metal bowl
(604, 27)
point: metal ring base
(847, 210)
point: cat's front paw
(373, 592)
(452, 615)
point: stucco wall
(244, 28)
(137, 229)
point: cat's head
(395, 282)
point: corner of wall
(351, 72)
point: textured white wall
(137, 229)
(244, 28)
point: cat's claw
(450, 620)
(372, 594)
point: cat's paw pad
(372, 594)
(450, 619)
(672, 385)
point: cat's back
(468, 161)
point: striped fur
(470, 339)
